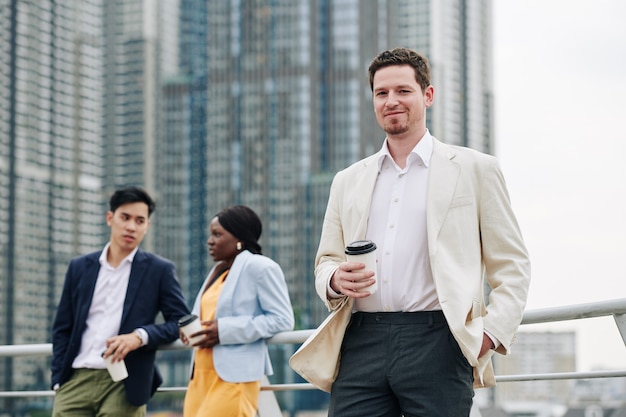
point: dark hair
(402, 56)
(131, 195)
(243, 223)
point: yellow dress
(207, 394)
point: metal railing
(615, 308)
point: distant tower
(206, 103)
(273, 98)
(537, 353)
(51, 204)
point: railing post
(620, 320)
(268, 405)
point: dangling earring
(239, 246)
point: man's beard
(396, 128)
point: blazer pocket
(463, 200)
(477, 310)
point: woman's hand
(210, 333)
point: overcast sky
(560, 124)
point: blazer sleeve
(345, 220)
(506, 260)
(330, 252)
(171, 304)
(260, 307)
(62, 329)
(71, 314)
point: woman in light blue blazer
(243, 301)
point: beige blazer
(472, 235)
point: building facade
(537, 353)
(206, 103)
(277, 100)
(51, 98)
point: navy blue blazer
(152, 288)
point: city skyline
(558, 97)
(227, 103)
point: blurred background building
(205, 103)
(537, 353)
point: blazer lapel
(196, 304)
(363, 190)
(137, 272)
(90, 276)
(224, 307)
(444, 173)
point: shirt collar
(129, 258)
(423, 150)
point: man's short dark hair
(402, 56)
(131, 195)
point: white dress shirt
(397, 224)
(105, 312)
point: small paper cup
(117, 370)
(189, 325)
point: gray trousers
(401, 364)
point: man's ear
(109, 217)
(429, 96)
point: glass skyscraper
(273, 98)
(51, 169)
(206, 103)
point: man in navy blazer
(108, 307)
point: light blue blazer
(253, 306)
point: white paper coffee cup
(189, 325)
(364, 251)
(117, 370)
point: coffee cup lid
(185, 320)
(360, 247)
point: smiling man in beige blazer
(442, 221)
